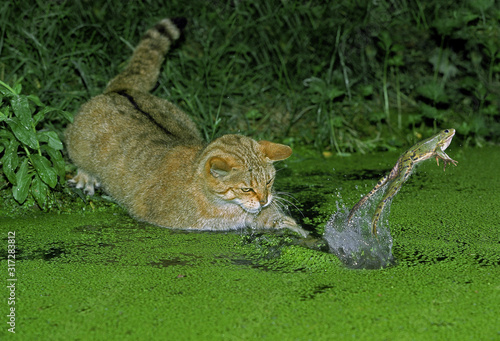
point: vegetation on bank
(345, 76)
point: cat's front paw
(85, 181)
(286, 222)
(276, 220)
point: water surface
(99, 274)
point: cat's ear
(218, 167)
(275, 151)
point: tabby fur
(150, 157)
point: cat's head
(240, 170)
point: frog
(423, 150)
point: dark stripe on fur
(164, 31)
(136, 106)
(180, 23)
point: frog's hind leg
(360, 203)
(393, 190)
(380, 208)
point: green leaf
(385, 40)
(20, 191)
(39, 191)
(446, 26)
(25, 134)
(35, 100)
(6, 90)
(44, 169)
(67, 115)
(10, 161)
(253, 114)
(337, 121)
(367, 90)
(51, 138)
(22, 110)
(18, 88)
(432, 112)
(434, 92)
(481, 5)
(334, 92)
(7, 134)
(57, 161)
(396, 60)
(39, 116)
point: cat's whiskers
(281, 204)
(287, 195)
(285, 202)
(280, 169)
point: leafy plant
(31, 159)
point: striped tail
(144, 68)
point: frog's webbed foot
(85, 181)
(446, 161)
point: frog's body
(423, 150)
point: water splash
(362, 238)
(353, 242)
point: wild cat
(150, 157)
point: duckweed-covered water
(99, 275)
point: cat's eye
(246, 189)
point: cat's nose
(264, 201)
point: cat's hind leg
(85, 181)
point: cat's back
(126, 120)
(128, 123)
